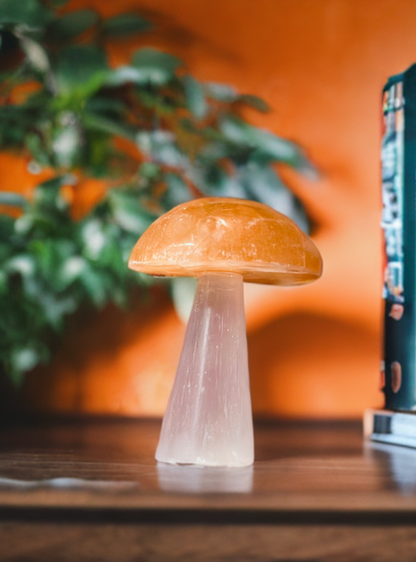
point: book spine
(398, 158)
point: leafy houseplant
(148, 130)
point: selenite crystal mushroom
(222, 242)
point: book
(386, 426)
(398, 167)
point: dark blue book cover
(398, 159)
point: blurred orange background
(314, 351)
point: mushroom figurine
(222, 242)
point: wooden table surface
(74, 490)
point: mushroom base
(208, 420)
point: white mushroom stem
(208, 420)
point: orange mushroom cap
(226, 235)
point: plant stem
(208, 420)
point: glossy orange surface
(225, 235)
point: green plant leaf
(3, 282)
(162, 147)
(255, 102)
(236, 130)
(12, 199)
(264, 185)
(177, 191)
(82, 68)
(49, 212)
(125, 75)
(23, 264)
(68, 26)
(277, 148)
(149, 171)
(25, 358)
(265, 144)
(93, 237)
(48, 191)
(217, 182)
(94, 284)
(71, 270)
(97, 122)
(35, 54)
(57, 307)
(30, 13)
(155, 66)
(106, 106)
(195, 97)
(6, 227)
(57, 3)
(128, 213)
(67, 146)
(124, 25)
(221, 92)
(34, 143)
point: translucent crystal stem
(208, 420)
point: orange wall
(321, 64)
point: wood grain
(90, 490)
